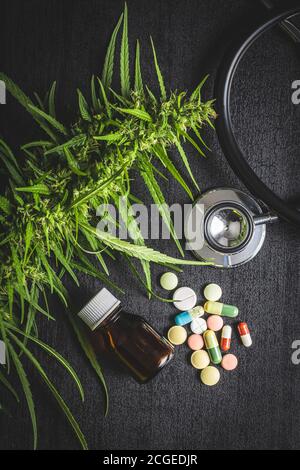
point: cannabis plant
(55, 184)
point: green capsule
(217, 308)
(212, 346)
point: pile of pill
(208, 351)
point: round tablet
(169, 281)
(210, 376)
(200, 359)
(195, 342)
(184, 298)
(198, 326)
(215, 323)
(213, 292)
(177, 335)
(229, 362)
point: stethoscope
(233, 223)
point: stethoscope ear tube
(224, 126)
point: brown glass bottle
(139, 346)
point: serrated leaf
(105, 100)
(158, 73)
(108, 68)
(53, 390)
(109, 137)
(196, 92)
(90, 353)
(94, 272)
(135, 233)
(14, 174)
(40, 188)
(54, 354)
(124, 58)
(28, 238)
(167, 162)
(196, 132)
(37, 144)
(8, 153)
(39, 101)
(138, 81)
(124, 101)
(26, 389)
(83, 107)
(96, 252)
(140, 252)
(73, 164)
(158, 198)
(185, 161)
(51, 120)
(10, 298)
(65, 263)
(15, 91)
(51, 100)
(5, 205)
(95, 102)
(139, 113)
(17, 267)
(191, 140)
(21, 97)
(151, 96)
(95, 191)
(54, 281)
(10, 162)
(77, 140)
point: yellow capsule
(212, 346)
(217, 308)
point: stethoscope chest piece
(231, 225)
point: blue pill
(183, 318)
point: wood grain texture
(258, 405)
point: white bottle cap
(98, 308)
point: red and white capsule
(245, 334)
(226, 338)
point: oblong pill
(184, 298)
(245, 334)
(200, 359)
(169, 281)
(210, 376)
(184, 318)
(177, 335)
(195, 342)
(215, 323)
(212, 346)
(229, 362)
(226, 338)
(218, 308)
(212, 292)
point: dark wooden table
(258, 405)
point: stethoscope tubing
(224, 125)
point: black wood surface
(256, 406)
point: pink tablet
(195, 342)
(229, 362)
(215, 323)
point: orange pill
(226, 338)
(229, 362)
(215, 323)
(195, 342)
